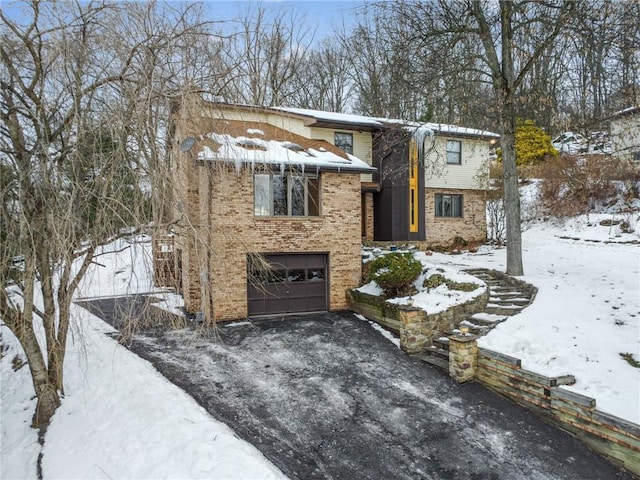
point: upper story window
(344, 141)
(448, 205)
(454, 152)
(291, 194)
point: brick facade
(231, 231)
(472, 226)
(367, 201)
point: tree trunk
(508, 142)
(48, 397)
(511, 193)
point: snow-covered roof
(380, 123)
(258, 144)
(626, 111)
(440, 128)
(333, 118)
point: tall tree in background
(512, 37)
(266, 52)
(71, 168)
(322, 80)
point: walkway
(508, 296)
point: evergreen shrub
(395, 273)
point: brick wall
(368, 218)
(235, 231)
(471, 227)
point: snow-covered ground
(120, 418)
(586, 313)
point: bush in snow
(395, 273)
(574, 185)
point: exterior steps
(508, 296)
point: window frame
(439, 205)
(311, 189)
(341, 144)
(451, 152)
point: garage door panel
(298, 283)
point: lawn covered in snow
(120, 418)
(586, 313)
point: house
(432, 181)
(273, 203)
(625, 134)
(430, 184)
(268, 216)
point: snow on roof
(332, 117)
(626, 111)
(241, 150)
(377, 122)
(439, 128)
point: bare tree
(71, 171)
(499, 30)
(265, 53)
(322, 80)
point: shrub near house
(533, 145)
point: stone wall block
(463, 357)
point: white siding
(625, 136)
(362, 141)
(362, 145)
(475, 158)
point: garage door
(293, 283)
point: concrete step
(437, 362)
(508, 294)
(488, 319)
(507, 300)
(475, 328)
(503, 309)
(436, 351)
(442, 343)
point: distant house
(298, 191)
(625, 134)
(432, 182)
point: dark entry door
(293, 283)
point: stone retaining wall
(417, 328)
(613, 437)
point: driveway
(327, 396)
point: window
(344, 141)
(413, 186)
(636, 157)
(286, 195)
(454, 152)
(448, 205)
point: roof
(440, 129)
(346, 120)
(625, 112)
(257, 143)
(334, 120)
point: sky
(320, 16)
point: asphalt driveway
(327, 396)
